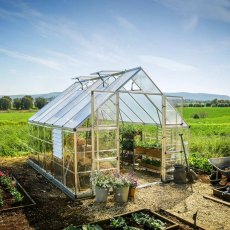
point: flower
(132, 180)
(1, 173)
(120, 181)
(100, 179)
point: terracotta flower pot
(132, 192)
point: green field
(15, 117)
(210, 136)
(14, 133)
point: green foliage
(17, 103)
(118, 222)
(196, 116)
(10, 185)
(148, 221)
(84, 227)
(120, 181)
(5, 103)
(200, 161)
(27, 102)
(147, 144)
(154, 162)
(13, 140)
(40, 102)
(101, 179)
(210, 136)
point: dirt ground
(55, 211)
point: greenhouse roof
(140, 100)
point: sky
(183, 45)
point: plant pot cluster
(122, 186)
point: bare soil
(55, 211)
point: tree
(40, 102)
(5, 103)
(8, 98)
(27, 102)
(17, 103)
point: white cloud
(29, 58)
(125, 23)
(167, 63)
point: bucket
(179, 174)
(121, 194)
(101, 194)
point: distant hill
(185, 95)
(200, 96)
(45, 95)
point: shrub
(196, 116)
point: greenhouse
(107, 121)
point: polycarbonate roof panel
(37, 116)
(85, 112)
(71, 108)
(66, 113)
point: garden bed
(141, 219)
(13, 196)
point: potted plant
(121, 188)
(102, 184)
(133, 185)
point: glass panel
(70, 180)
(75, 104)
(108, 165)
(79, 113)
(105, 113)
(40, 153)
(42, 112)
(48, 157)
(149, 106)
(47, 118)
(124, 117)
(48, 134)
(84, 184)
(142, 81)
(157, 100)
(128, 112)
(122, 80)
(136, 104)
(40, 132)
(58, 169)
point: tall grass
(13, 140)
(14, 133)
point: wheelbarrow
(221, 168)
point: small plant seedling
(118, 222)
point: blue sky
(184, 45)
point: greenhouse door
(105, 131)
(172, 126)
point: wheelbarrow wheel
(215, 179)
